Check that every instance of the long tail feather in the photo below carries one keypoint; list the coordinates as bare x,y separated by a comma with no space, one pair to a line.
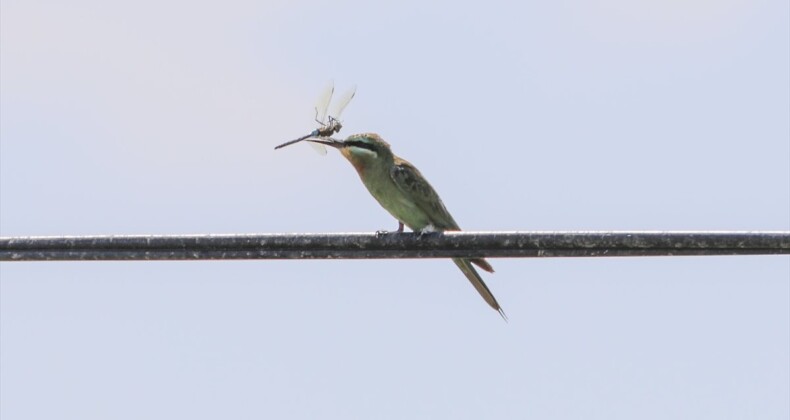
479,284
483,264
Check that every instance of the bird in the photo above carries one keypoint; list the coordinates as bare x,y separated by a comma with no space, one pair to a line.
403,191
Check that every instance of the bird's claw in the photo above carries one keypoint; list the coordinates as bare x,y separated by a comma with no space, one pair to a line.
423,233
380,233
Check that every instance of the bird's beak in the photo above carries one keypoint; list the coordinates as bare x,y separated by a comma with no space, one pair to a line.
328,141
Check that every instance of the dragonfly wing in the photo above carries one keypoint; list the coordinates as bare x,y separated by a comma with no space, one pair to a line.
318,148
322,104
342,102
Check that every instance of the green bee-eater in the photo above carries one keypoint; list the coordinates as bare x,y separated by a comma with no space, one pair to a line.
402,190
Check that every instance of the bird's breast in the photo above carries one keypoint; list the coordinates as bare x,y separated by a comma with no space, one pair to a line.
397,202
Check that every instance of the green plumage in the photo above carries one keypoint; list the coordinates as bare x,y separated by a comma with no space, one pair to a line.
402,190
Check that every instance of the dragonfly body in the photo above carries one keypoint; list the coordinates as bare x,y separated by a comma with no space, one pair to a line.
332,127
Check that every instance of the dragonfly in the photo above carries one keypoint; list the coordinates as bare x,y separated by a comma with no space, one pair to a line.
328,125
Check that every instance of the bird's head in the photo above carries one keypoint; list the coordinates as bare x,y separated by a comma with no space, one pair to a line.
362,150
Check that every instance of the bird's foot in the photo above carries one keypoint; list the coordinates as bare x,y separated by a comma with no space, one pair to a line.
380,233
421,234
427,230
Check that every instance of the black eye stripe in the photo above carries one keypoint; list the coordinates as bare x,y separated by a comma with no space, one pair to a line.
361,145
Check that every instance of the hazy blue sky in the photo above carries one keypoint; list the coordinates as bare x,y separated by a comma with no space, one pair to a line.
154,117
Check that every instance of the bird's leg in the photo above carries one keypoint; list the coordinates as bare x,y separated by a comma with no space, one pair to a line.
384,232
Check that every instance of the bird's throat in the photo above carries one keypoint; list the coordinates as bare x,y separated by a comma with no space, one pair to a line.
359,164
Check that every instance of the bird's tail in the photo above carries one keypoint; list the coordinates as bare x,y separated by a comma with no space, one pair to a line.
479,284
482,264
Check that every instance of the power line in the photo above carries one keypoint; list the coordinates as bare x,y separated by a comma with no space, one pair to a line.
393,245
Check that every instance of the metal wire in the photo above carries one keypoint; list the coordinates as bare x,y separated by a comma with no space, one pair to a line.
393,245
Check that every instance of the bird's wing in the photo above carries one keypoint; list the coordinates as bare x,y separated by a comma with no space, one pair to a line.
407,178
413,184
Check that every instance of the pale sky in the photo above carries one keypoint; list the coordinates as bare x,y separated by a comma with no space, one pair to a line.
160,117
